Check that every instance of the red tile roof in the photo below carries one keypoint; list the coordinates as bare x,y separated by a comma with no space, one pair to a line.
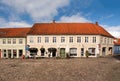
13,32
68,29
117,42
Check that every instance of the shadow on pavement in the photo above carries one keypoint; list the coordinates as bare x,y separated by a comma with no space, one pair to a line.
116,57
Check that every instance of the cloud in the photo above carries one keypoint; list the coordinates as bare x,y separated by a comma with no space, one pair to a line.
114,30
74,18
39,10
11,24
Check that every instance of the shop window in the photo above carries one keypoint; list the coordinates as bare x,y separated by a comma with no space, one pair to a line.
20,53
73,51
14,53
82,51
4,53
91,51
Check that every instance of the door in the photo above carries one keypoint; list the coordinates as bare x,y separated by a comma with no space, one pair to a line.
62,52
9,53
103,51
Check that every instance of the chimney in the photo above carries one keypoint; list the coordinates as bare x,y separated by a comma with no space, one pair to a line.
96,23
53,21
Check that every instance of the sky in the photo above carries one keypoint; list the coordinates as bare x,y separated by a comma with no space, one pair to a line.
24,13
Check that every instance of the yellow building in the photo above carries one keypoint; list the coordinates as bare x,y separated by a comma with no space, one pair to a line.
13,42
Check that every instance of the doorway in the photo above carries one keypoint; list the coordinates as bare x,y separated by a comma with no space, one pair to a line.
9,54
52,51
103,51
62,52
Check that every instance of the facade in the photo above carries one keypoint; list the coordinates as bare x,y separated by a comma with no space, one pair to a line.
13,42
73,39
117,46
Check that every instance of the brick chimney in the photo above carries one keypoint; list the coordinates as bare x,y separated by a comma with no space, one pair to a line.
53,21
96,23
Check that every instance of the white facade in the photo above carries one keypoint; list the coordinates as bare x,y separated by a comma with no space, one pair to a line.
12,47
74,45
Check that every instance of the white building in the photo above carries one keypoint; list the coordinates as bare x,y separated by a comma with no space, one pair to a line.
13,42
74,39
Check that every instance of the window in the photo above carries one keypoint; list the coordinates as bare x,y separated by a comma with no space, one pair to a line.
46,39
71,39
73,51
39,39
31,40
4,53
14,41
78,39
86,39
9,41
14,53
94,39
82,51
62,39
54,39
4,41
91,51
20,53
20,41
105,41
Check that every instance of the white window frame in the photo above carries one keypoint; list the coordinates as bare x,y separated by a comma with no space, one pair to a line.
73,51
62,39
31,40
39,39
9,41
46,39
78,39
70,39
4,41
86,39
94,39
14,41
54,39
20,41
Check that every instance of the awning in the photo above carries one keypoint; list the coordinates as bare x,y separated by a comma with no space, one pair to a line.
42,50
52,49
33,49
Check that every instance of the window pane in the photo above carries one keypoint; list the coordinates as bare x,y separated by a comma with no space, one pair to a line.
62,39
54,39
92,51
46,39
9,41
14,53
78,39
39,39
71,39
31,39
20,41
20,53
73,51
14,41
4,41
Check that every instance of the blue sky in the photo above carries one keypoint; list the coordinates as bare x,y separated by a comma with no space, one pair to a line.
24,13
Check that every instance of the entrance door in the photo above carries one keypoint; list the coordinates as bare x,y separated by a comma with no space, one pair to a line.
0,53
9,53
103,51
62,52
